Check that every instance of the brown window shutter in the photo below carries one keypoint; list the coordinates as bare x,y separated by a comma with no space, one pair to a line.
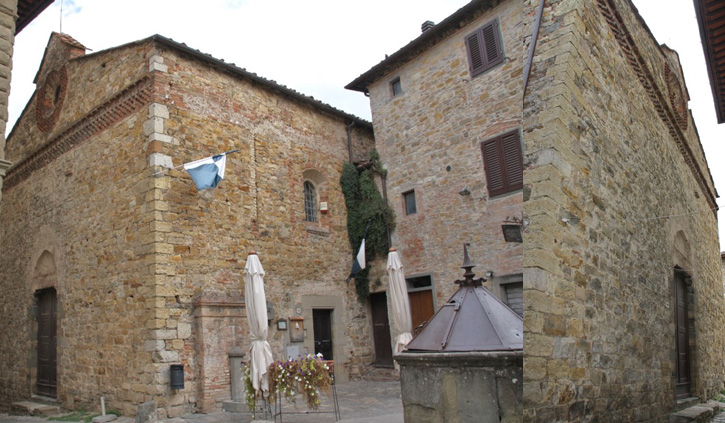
503,163
513,160
494,166
475,58
492,43
484,48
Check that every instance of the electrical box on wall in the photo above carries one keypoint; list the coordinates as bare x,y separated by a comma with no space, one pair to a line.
323,207
296,329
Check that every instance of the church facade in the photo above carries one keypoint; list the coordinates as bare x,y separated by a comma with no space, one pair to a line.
119,268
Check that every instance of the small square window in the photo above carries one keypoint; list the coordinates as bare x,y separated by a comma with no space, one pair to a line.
512,233
396,87
409,199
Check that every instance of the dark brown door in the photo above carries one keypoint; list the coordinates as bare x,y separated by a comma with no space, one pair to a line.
47,341
421,306
682,385
381,330
322,327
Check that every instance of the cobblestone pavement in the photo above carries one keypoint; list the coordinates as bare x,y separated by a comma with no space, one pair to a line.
359,402
720,418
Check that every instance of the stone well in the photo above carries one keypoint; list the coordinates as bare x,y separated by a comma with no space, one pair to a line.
466,364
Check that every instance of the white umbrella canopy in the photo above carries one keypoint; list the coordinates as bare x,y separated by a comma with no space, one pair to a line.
256,302
402,322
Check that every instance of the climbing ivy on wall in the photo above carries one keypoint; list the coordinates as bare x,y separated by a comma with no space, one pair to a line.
364,203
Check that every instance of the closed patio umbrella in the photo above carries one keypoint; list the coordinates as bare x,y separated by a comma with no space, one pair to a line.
402,322
256,302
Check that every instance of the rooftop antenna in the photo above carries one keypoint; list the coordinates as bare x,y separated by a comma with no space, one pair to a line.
61,17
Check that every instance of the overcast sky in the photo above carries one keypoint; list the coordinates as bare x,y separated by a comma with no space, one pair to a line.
318,46
313,46
676,26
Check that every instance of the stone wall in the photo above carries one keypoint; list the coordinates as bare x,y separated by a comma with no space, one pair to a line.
462,387
148,270
203,238
76,221
617,194
429,138
8,11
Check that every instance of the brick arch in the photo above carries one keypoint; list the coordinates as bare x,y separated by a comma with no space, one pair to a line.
315,176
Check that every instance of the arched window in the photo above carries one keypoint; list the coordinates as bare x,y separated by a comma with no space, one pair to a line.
310,202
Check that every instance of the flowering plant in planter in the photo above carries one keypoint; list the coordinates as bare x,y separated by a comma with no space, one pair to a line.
305,375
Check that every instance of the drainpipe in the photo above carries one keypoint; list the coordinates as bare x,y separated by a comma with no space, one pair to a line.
532,47
349,139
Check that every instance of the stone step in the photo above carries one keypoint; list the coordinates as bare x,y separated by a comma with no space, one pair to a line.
683,403
32,408
700,413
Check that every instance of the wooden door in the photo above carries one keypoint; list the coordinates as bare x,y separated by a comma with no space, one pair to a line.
421,307
47,340
682,335
381,330
322,328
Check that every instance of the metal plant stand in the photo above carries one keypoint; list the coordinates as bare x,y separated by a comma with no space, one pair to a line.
278,411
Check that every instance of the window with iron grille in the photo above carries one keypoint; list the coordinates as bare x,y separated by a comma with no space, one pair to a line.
503,163
310,202
484,47
409,202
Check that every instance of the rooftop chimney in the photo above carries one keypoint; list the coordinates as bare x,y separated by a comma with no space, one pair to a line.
427,25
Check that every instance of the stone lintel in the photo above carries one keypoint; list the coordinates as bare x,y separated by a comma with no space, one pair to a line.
219,305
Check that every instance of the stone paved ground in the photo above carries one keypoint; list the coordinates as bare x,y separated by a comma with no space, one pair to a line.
360,402
720,418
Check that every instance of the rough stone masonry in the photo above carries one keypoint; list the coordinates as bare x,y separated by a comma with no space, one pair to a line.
621,210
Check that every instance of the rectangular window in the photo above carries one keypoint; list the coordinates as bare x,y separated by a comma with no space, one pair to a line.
409,200
515,297
503,163
419,282
484,47
396,87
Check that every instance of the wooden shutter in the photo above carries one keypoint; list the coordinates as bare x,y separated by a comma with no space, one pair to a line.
513,160
484,47
492,44
475,57
503,163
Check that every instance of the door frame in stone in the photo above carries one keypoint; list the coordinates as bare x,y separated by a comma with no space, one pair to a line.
431,290
683,389
310,302
52,383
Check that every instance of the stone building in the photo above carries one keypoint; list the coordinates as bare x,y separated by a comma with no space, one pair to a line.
14,16
623,289
447,116
119,268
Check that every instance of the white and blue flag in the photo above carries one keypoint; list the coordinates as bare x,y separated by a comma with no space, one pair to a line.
208,172
359,263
